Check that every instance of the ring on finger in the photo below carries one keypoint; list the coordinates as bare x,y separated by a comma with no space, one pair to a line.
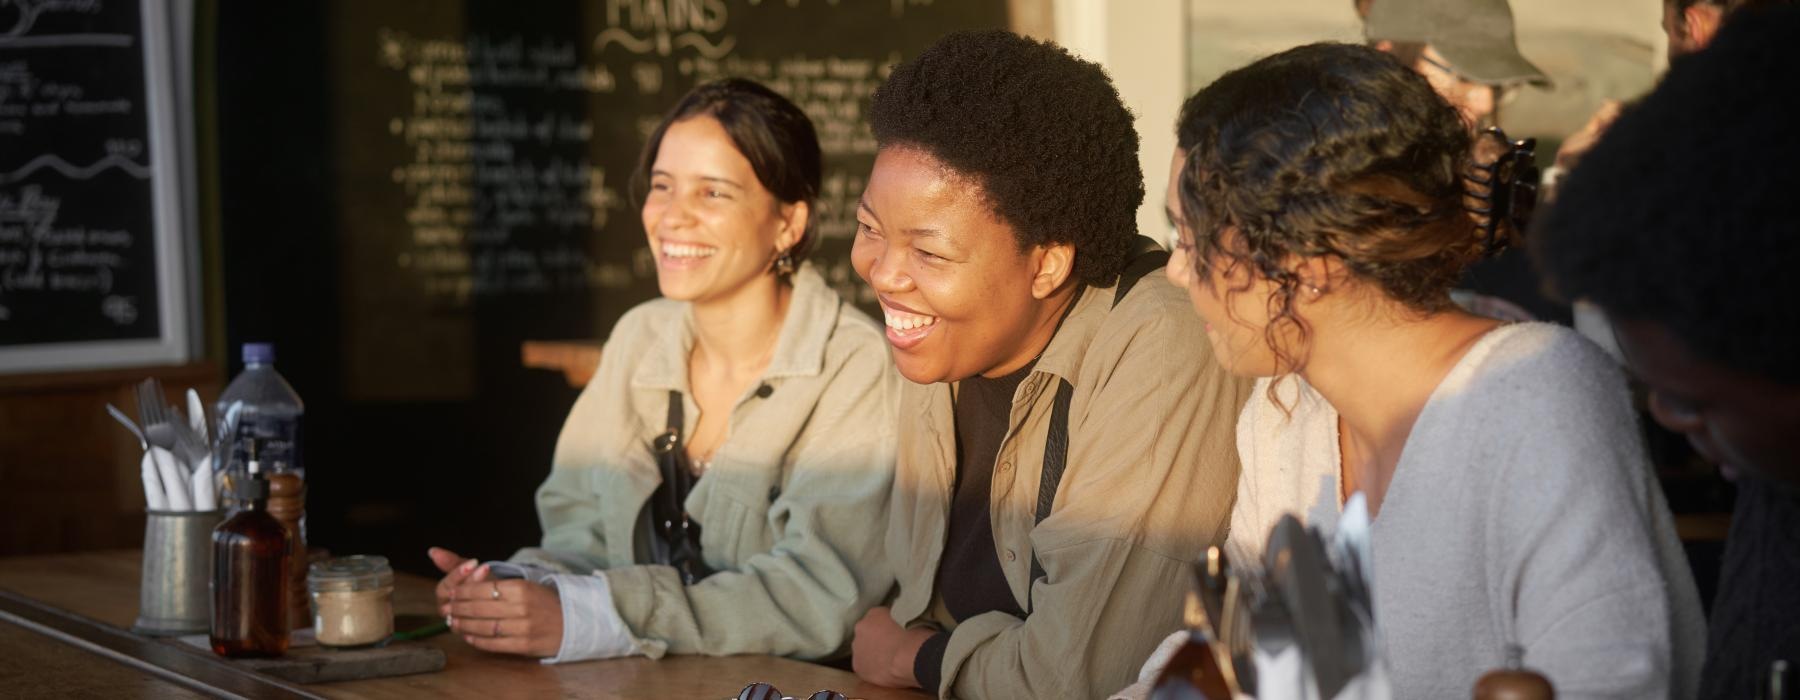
496,590
496,628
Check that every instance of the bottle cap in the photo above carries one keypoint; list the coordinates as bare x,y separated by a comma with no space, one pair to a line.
253,487
353,573
259,353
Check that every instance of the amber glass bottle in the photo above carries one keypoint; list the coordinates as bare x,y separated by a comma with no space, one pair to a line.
250,576
1193,673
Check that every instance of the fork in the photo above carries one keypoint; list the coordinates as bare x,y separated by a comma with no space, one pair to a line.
188,444
164,424
152,415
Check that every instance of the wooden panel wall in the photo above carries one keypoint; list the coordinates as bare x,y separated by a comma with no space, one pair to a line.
68,472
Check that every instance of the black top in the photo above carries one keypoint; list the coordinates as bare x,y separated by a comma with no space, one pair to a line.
969,578
1756,615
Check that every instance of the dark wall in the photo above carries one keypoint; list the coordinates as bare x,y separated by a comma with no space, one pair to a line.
411,189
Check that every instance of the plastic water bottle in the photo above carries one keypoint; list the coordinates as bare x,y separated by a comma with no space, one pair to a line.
270,415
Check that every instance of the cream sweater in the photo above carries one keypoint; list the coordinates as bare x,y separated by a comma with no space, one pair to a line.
1523,511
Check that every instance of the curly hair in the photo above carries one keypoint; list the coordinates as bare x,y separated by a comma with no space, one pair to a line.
769,130
1684,214
1329,150
1042,132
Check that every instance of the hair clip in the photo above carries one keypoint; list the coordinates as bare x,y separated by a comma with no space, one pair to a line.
1507,187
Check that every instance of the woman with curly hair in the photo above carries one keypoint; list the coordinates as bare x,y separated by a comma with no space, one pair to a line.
1322,217
1057,474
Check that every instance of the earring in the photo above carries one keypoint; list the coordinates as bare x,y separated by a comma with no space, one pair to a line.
784,263
1315,290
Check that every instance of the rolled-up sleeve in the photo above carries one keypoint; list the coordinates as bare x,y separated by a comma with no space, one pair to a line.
591,627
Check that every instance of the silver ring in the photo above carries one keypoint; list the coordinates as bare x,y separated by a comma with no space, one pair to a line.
496,590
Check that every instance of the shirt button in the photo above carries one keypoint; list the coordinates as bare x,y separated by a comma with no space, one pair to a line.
1005,467
1010,556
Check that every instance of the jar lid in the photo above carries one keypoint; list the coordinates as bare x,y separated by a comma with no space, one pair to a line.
354,573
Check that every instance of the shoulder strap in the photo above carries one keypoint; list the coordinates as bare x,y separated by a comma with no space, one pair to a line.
1146,257
675,413
1056,457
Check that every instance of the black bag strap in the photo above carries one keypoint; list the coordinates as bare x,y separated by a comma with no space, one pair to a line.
1146,257
675,537
676,419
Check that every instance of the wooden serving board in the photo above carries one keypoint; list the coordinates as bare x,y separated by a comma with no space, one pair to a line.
307,662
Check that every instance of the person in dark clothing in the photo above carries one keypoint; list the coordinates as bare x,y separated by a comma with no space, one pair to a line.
1680,224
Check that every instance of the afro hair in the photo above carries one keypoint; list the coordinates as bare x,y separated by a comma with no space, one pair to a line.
1043,133
1685,213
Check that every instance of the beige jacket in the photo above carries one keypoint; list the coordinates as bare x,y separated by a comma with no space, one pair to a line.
791,509
1151,472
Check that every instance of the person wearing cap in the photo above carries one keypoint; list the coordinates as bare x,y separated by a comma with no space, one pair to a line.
1465,48
1467,51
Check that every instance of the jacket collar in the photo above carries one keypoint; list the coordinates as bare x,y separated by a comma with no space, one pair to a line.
1062,357
812,315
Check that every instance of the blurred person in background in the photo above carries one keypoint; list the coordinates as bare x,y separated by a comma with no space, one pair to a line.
1466,49
1689,25
1469,53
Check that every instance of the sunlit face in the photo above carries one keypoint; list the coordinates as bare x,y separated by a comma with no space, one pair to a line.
1233,301
1741,422
955,290
1474,101
712,226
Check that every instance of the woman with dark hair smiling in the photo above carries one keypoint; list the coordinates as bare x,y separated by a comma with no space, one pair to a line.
1322,215
717,488
1066,442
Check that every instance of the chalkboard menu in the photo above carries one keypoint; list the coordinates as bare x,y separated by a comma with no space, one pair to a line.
409,189
486,150
91,256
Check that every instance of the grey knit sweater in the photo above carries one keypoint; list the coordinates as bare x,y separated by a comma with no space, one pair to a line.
1523,511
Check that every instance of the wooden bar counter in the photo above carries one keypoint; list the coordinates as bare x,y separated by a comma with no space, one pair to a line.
98,592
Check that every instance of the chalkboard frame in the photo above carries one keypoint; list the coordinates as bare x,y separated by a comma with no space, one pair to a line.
175,246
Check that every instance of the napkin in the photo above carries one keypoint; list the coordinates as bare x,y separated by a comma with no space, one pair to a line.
171,484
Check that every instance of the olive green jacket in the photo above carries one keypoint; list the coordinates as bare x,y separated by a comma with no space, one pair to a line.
1151,473
791,508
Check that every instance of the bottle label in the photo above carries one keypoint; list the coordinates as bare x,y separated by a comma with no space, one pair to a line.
278,444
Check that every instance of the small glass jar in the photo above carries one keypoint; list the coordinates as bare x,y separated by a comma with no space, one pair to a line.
352,600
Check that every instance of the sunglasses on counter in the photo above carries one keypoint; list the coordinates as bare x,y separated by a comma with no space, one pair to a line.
764,691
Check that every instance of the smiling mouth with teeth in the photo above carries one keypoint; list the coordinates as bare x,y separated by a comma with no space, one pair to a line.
905,322
682,251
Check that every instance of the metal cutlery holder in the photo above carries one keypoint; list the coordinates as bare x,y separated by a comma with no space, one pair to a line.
175,595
